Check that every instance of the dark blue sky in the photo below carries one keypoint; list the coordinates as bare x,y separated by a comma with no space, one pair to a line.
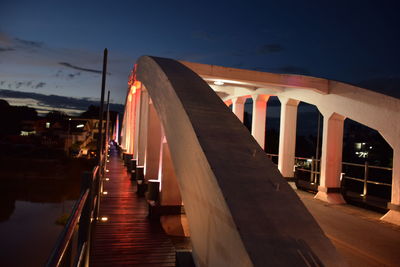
45,44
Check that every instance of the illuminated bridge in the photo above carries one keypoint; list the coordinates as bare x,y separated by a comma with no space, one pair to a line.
210,177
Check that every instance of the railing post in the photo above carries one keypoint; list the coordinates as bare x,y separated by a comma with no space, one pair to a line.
99,174
85,219
317,171
365,190
312,171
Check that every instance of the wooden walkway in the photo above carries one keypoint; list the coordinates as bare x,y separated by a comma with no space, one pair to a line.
128,237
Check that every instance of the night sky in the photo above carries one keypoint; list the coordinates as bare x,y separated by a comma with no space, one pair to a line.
55,47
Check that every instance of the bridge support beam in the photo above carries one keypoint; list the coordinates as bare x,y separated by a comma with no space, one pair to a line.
287,136
137,124
127,128
331,159
123,130
393,215
142,138
131,123
172,221
152,155
238,107
170,193
259,117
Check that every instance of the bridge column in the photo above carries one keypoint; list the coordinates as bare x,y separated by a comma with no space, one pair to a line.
331,159
287,136
137,124
126,125
123,130
393,215
170,194
142,135
259,117
131,123
238,107
152,155
172,221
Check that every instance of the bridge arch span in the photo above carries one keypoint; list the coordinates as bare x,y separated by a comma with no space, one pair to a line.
335,100
240,210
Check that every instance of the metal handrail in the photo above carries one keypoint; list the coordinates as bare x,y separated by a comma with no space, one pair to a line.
85,209
362,180
370,166
314,171
66,236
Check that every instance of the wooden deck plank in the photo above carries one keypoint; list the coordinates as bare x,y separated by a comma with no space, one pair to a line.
128,237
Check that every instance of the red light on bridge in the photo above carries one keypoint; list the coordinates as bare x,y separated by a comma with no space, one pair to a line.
135,86
133,89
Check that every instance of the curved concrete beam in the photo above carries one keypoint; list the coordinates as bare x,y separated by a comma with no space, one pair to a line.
257,78
241,211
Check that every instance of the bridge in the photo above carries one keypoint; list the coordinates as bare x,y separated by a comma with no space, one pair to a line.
210,176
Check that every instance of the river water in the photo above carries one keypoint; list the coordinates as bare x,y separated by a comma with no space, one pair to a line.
29,210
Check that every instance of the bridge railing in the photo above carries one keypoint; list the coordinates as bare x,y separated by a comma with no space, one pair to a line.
309,169
73,244
365,170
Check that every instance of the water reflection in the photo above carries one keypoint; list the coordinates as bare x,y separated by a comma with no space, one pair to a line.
28,211
37,191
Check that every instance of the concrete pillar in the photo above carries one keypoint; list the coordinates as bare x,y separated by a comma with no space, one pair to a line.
393,215
170,194
174,224
152,156
132,123
259,117
331,159
287,136
238,107
137,123
142,138
123,130
127,124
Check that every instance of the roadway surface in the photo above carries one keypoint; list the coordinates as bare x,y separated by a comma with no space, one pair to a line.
357,234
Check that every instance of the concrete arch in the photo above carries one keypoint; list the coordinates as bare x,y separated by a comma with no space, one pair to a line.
375,110
240,210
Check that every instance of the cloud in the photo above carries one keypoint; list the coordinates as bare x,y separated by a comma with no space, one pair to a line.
22,84
5,39
40,85
29,43
51,102
270,48
68,65
39,61
5,49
